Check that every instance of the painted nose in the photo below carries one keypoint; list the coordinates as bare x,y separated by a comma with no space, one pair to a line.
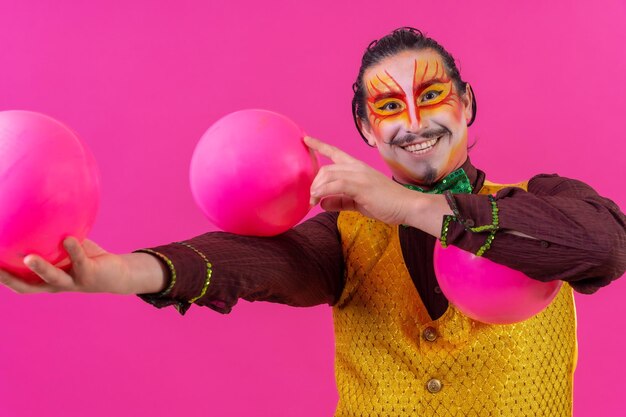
415,122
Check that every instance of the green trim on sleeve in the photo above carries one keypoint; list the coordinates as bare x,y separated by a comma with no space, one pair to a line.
493,227
209,272
169,264
445,227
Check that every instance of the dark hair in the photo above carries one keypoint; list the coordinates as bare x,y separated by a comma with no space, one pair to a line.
402,39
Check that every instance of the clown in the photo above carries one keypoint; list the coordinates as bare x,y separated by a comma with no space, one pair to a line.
401,348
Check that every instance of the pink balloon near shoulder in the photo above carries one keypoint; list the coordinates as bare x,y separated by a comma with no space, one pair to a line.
49,189
251,173
487,291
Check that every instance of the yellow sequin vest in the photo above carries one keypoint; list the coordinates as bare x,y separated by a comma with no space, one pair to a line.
393,360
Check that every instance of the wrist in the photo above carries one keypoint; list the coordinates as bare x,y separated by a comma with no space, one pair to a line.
426,212
414,207
145,274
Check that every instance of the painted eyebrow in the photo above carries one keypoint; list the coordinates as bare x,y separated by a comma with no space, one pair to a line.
398,92
428,83
389,94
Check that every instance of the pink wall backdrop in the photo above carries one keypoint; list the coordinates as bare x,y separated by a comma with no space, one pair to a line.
140,81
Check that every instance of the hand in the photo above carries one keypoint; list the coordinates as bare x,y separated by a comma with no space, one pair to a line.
89,269
350,184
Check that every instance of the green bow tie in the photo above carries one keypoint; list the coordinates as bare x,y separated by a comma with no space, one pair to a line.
456,181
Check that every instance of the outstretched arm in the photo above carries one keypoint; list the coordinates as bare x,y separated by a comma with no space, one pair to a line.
301,267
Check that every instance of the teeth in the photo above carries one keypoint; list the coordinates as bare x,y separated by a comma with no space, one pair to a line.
424,146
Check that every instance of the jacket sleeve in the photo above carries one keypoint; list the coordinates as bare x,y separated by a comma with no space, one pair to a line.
571,233
302,267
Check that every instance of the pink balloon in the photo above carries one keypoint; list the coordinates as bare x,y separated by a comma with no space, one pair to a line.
251,173
487,291
49,189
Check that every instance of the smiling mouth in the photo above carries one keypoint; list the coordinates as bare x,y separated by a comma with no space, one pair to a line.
422,147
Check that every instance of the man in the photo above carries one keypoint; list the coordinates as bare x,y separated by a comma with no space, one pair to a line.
401,348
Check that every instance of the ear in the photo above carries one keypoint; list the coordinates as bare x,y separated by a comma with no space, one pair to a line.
366,130
468,102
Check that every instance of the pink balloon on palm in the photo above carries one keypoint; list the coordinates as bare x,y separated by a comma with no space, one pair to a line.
487,291
49,189
251,173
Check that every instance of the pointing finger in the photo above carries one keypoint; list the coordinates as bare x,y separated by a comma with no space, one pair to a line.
335,154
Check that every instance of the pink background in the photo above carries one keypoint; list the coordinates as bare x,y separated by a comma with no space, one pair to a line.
140,81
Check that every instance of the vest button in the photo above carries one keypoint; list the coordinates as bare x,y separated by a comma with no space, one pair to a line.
434,386
430,334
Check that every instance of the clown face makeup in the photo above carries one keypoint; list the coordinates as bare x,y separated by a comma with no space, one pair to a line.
416,117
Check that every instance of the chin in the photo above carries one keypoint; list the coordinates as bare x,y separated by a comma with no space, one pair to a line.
425,177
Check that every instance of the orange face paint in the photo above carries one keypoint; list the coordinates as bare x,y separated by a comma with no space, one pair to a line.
411,100
431,91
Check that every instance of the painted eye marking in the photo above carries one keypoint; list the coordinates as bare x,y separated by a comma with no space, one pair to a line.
388,107
431,95
434,94
391,106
